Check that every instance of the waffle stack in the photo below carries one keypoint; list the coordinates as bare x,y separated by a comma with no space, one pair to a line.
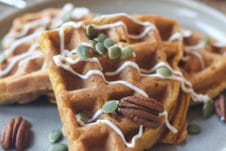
83,85
121,82
23,75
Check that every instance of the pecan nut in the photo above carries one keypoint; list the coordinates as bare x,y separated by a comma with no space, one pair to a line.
16,133
144,111
220,107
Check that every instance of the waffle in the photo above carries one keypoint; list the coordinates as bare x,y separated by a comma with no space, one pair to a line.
204,63
23,75
78,90
200,62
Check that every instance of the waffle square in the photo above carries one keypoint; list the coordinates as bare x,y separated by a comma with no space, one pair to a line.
84,85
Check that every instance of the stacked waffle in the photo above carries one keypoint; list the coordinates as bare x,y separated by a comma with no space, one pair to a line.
23,75
120,82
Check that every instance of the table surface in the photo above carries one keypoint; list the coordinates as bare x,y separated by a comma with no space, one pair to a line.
218,4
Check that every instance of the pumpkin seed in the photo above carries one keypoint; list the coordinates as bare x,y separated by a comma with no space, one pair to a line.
208,109
2,57
114,52
108,43
54,136
193,129
127,52
163,71
206,41
82,117
92,43
90,31
100,48
58,147
110,106
83,51
100,37
67,17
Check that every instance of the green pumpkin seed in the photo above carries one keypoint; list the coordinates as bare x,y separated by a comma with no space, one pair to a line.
108,43
54,136
2,57
83,51
58,147
100,37
67,17
110,106
208,109
90,31
206,41
82,117
47,27
100,48
114,52
127,52
92,43
164,72
193,129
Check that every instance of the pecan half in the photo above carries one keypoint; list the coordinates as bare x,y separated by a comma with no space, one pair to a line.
220,107
144,111
15,133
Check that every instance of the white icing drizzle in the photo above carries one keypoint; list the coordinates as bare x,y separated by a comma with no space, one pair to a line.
175,36
123,15
180,35
119,132
44,66
219,44
117,24
122,67
76,13
192,50
186,33
21,41
59,63
177,75
18,58
170,127
200,45
189,49
79,12
35,55
114,127
95,116
75,61
185,84
61,31
57,21
40,22
198,55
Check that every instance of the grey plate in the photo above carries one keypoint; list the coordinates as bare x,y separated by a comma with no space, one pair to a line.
192,15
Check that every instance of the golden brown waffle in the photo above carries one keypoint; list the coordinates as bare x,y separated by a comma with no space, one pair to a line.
23,75
76,95
204,64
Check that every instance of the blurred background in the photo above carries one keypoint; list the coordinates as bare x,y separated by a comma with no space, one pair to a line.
16,4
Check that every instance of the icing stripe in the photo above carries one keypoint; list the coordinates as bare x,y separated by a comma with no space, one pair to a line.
21,41
170,127
119,132
98,72
13,61
123,15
